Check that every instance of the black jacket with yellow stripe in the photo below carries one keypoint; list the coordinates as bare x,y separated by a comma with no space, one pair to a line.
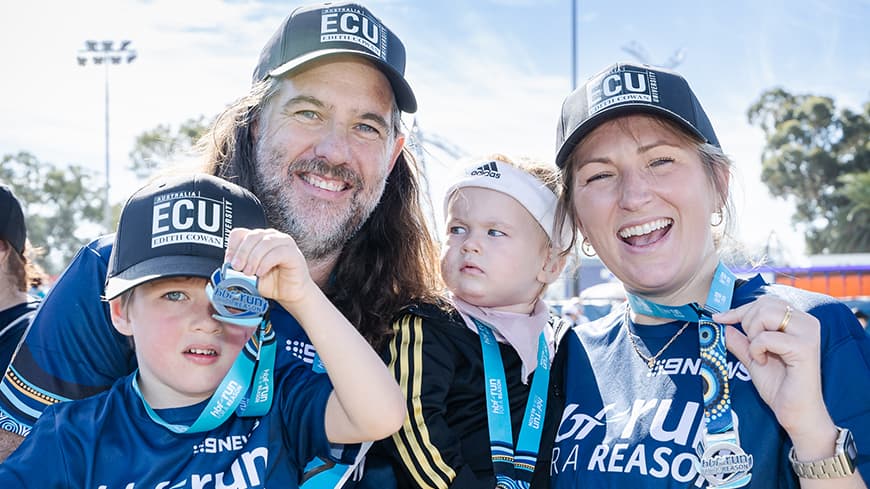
444,442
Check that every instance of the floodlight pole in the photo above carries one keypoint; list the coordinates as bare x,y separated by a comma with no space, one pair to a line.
107,208
106,53
573,45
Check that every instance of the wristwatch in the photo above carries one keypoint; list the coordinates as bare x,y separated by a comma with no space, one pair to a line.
842,464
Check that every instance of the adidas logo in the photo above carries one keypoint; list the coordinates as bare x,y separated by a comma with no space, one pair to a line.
488,170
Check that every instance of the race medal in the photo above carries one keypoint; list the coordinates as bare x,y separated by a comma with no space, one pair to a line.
236,300
722,462
235,297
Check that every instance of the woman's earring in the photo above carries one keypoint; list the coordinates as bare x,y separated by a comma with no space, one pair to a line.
587,248
717,218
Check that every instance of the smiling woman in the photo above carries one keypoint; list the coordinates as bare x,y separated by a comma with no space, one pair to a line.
639,177
723,378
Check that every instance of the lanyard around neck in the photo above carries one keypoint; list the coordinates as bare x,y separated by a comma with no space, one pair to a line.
513,470
235,393
711,339
721,460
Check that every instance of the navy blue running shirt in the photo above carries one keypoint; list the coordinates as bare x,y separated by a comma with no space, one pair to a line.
624,425
110,441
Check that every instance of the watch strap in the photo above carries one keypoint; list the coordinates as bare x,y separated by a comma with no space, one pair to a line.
842,464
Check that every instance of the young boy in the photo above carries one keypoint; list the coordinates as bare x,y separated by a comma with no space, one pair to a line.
467,372
204,409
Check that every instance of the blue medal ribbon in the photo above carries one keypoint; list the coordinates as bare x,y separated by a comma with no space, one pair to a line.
513,470
721,460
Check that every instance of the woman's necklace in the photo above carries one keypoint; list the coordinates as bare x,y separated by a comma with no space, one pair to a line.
650,361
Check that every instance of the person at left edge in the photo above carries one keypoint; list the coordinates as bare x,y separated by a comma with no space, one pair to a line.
18,271
171,419
318,140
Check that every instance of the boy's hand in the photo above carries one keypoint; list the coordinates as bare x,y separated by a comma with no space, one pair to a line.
275,259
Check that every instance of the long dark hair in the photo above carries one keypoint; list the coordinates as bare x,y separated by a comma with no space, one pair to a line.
23,268
390,263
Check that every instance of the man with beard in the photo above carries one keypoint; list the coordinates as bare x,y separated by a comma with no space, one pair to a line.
318,140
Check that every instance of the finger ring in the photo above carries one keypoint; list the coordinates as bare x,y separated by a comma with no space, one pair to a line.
785,320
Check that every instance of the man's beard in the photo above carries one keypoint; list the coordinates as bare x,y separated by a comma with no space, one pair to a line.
320,228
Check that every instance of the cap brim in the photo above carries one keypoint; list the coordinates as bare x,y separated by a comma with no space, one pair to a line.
405,99
593,122
160,267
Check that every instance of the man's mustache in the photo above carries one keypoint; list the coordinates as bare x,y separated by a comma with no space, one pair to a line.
322,167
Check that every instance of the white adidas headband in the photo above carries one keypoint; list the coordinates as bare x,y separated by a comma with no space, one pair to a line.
530,192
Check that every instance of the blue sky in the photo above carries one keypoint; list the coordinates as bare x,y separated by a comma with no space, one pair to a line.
489,75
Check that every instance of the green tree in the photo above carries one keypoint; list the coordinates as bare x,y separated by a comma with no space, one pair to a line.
62,206
818,157
856,187
157,147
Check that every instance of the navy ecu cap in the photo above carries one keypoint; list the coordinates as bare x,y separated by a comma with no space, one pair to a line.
627,88
315,31
178,226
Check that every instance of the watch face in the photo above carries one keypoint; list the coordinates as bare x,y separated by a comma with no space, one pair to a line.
849,446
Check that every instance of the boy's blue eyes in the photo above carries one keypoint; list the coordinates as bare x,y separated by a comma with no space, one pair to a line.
175,295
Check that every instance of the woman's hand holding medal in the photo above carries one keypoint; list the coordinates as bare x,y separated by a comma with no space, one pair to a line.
780,347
